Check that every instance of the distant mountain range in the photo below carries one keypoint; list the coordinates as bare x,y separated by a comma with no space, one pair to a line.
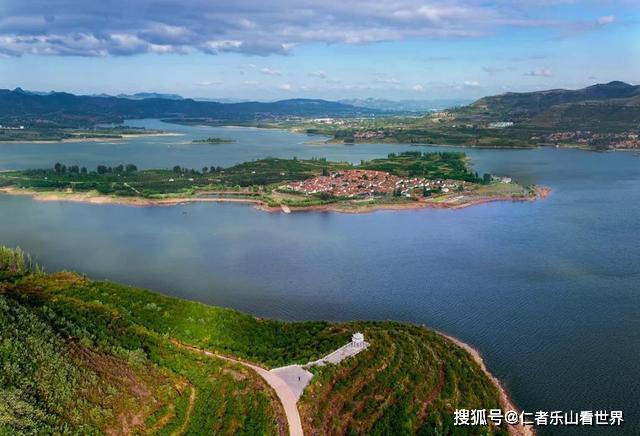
611,105
146,95
64,109
417,106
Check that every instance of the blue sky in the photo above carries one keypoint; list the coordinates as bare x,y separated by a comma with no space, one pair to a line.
332,49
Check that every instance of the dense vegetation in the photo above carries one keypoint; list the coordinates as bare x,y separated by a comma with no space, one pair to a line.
87,357
409,388
81,367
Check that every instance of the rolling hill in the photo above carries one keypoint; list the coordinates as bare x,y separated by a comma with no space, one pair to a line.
61,109
602,107
89,357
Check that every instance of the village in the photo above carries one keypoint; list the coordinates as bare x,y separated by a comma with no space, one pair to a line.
369,183
623,140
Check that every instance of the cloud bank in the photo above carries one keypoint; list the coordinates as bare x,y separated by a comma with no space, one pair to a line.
128,27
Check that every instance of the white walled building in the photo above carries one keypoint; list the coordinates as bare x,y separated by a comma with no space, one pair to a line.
357,340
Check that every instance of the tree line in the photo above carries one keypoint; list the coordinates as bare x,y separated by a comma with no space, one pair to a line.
100,169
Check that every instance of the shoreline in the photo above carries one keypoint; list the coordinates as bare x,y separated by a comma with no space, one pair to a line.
99,199
506,402
123,137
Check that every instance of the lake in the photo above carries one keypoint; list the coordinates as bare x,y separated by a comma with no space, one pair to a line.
548,291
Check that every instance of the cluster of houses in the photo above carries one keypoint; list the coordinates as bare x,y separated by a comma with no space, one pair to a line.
364,183
501,179
612,140
500,124
369,134
632,141
442,116
328,121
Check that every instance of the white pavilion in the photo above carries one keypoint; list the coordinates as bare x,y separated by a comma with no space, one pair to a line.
357,340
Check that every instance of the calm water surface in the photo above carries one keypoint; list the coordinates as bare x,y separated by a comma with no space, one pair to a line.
548,291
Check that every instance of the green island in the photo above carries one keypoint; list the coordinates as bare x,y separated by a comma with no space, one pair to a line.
213,140
89,357
66,134
405,180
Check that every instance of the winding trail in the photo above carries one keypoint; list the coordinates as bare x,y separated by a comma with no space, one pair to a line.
185,423
284,393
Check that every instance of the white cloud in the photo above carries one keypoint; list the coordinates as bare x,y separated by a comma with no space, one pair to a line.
90,28
209,82
471,83
285,87
540,72
217,46
495,70
319,74
271,72
387,81
417,88
606,19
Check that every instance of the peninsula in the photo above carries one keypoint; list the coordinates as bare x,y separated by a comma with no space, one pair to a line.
29,134
405,180
85,356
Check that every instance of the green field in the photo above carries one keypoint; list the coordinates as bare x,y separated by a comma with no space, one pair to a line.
86,357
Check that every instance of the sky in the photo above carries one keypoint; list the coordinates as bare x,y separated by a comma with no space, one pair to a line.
332,49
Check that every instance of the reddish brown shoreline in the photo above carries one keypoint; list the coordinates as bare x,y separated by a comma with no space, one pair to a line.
93,198
506,403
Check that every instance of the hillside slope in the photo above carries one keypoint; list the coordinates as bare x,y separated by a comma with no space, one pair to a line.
86,357
610,106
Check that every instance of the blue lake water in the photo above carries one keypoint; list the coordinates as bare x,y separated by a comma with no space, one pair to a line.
548,291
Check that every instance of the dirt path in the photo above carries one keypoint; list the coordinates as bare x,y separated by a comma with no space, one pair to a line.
433,394
185,423
284,393
505,401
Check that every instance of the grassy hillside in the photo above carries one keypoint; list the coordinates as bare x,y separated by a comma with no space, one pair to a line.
407,382
87,357
522,105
